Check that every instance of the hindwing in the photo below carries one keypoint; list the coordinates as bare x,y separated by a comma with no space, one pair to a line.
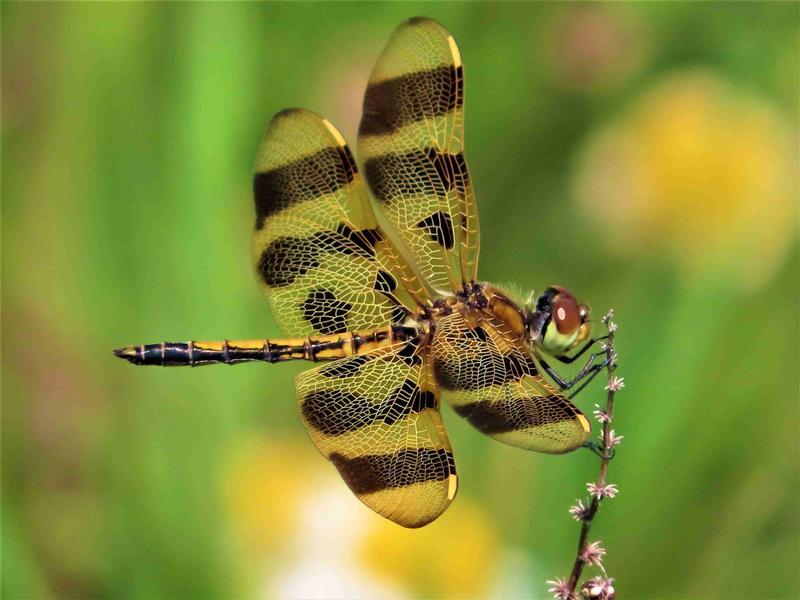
376,418
491,380
411,140
319,255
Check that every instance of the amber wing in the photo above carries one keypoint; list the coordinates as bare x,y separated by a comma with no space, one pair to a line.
411,140
490,379
320,258
376,418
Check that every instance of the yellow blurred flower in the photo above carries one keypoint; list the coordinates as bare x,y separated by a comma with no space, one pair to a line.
306,536
456,556
698,170
265,483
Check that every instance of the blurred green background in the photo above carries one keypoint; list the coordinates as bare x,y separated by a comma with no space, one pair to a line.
645,155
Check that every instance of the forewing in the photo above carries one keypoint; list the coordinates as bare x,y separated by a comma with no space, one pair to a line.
491,380
376,418
411,140
321,259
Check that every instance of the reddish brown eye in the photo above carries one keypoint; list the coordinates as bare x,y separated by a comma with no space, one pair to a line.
583,311
566,314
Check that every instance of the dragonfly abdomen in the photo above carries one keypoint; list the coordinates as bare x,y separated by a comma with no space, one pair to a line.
315,349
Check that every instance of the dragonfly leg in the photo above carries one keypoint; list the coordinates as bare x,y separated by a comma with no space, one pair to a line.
567,360
585,375
598,449
589,375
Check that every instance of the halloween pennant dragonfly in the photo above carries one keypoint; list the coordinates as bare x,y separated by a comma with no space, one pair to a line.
397,322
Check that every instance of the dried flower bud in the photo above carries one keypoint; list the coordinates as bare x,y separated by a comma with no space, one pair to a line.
560,589
599,588
579,510
601,415
608,490
615,384
593,553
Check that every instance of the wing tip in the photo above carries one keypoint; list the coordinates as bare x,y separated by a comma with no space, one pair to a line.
452,486
304,112
584,423
426,22
289,112
419,20
337,135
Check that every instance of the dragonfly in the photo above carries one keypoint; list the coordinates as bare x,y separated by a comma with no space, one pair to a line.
392,309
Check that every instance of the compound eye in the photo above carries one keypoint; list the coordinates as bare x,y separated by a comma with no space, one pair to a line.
583,311
566,313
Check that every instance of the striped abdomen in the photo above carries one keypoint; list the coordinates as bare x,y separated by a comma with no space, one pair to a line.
326,347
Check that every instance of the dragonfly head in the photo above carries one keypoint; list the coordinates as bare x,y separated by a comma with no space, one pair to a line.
558,322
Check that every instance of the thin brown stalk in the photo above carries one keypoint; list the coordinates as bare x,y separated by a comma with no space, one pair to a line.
600,587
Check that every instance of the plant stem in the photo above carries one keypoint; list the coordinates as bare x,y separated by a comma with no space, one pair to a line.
608,449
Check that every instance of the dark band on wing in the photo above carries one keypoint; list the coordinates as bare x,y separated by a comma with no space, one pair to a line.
326,313
427,172
373,473
439,226
386,285
503,416
393,103
492,368
289,257
318,174
336,412
408,353
347,367
384,282
478,333
399,314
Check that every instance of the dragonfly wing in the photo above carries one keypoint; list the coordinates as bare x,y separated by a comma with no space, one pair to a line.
320,258
412,141
376,418
490,379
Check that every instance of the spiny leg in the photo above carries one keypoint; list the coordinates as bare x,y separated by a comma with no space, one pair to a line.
598,449
585,375
590,374
568,360
586,371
